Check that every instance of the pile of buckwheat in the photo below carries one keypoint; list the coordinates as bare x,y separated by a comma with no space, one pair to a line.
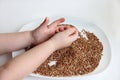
82,57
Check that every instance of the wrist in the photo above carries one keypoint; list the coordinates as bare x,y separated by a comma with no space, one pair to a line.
32,40
52,44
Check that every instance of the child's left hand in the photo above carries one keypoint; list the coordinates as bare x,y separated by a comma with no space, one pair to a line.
45,31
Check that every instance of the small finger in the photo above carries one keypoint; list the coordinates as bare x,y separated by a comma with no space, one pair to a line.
66,27
55,23
61,28
57,30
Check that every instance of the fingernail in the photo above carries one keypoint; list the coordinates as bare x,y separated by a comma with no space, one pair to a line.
62,19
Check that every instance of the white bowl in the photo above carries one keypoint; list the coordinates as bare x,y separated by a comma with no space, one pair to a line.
80,24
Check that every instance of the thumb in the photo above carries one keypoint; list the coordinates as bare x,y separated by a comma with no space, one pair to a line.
45,22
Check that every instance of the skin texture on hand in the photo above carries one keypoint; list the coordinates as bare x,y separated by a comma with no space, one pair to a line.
64,38
45,31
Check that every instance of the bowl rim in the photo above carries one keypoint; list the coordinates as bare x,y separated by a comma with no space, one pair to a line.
67,77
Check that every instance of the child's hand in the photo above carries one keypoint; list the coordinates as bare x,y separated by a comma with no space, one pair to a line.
45,31
64,38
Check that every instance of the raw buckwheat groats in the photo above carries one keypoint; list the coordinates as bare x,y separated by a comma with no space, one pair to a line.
82,57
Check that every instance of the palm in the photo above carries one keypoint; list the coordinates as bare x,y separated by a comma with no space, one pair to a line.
44,32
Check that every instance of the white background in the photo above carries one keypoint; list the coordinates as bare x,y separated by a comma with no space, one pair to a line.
104,13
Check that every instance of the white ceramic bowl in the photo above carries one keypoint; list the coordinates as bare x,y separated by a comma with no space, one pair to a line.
80,24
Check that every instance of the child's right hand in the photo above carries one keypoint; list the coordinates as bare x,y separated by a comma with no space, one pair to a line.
64,38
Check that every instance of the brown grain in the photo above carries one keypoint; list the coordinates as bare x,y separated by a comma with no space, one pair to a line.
82,57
